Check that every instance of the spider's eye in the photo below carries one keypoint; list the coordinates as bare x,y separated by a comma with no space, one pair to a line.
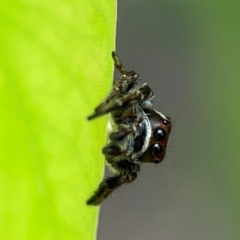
156,150
165,122
159,134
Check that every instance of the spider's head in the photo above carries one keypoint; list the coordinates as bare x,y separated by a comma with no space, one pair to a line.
160,130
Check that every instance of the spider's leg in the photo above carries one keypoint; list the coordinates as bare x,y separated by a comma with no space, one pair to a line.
118,64
125,127
107,186
127,174
118,154
140,94
113,153
121,87
122,142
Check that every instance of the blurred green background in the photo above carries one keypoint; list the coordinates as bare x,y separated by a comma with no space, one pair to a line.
55,67
189,52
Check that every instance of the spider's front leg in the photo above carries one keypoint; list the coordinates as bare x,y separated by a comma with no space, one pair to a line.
137,95
121,87
118,64
126,173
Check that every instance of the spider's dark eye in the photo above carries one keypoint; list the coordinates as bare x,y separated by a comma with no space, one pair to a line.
165,122
159,134
156,150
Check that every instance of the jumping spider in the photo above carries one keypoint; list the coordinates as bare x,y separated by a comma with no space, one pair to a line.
139,133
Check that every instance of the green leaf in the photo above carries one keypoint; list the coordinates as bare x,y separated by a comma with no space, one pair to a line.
55,68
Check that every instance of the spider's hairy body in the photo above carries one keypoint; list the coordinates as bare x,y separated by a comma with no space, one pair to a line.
138,132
